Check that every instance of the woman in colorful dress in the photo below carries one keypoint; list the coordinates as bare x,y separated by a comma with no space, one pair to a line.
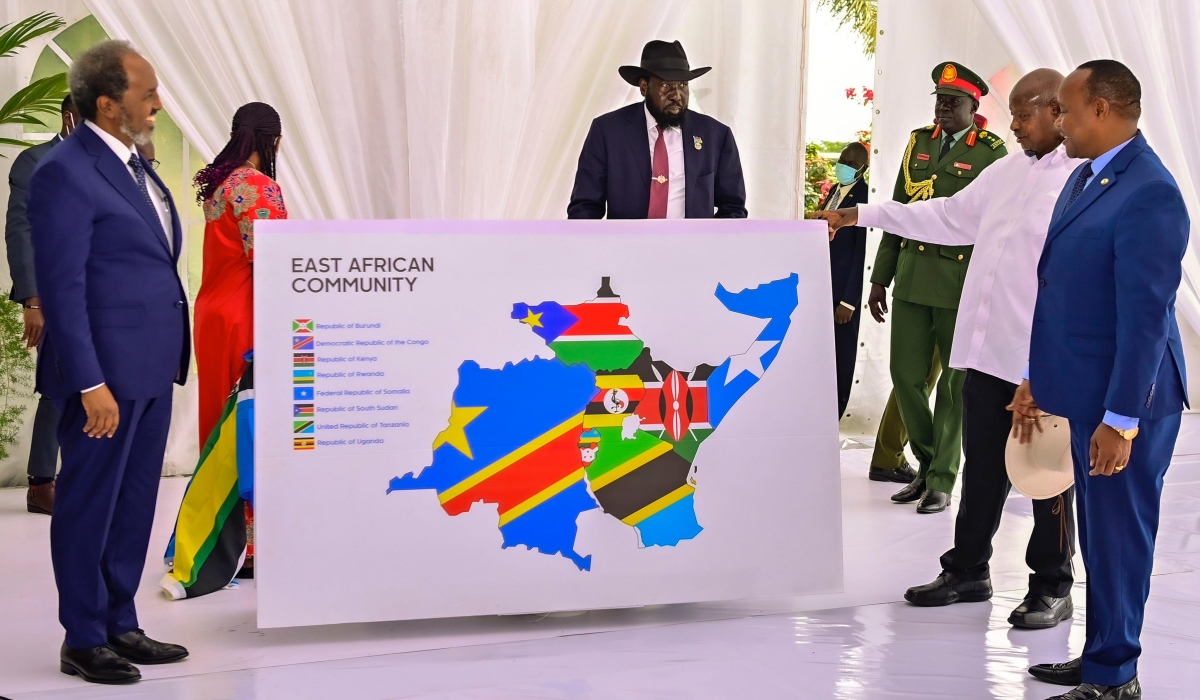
237,189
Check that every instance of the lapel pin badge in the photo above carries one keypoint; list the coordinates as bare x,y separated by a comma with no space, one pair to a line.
698,142
1104,181
660,179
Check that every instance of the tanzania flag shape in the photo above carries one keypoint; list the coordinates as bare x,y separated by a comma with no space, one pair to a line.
302,325
303,376
523,455
302,342
209,542
303,427
304,359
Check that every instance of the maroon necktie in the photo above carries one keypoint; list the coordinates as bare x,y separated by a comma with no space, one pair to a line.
659,180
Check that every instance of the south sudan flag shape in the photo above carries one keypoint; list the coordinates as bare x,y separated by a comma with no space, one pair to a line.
591,333
302,410
209,541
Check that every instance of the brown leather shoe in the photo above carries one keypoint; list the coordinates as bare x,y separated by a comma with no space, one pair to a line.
40,498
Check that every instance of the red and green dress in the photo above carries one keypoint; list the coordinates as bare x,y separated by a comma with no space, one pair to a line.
224,323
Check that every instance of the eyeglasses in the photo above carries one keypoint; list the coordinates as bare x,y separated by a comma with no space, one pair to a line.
154,164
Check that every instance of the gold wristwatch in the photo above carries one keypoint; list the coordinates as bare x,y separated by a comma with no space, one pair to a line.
1127,434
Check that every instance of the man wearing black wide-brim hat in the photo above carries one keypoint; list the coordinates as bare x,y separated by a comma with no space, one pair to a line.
657,159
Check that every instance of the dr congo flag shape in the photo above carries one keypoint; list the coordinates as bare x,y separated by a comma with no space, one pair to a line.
209,542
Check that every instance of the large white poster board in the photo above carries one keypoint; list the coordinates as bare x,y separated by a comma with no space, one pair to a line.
466,418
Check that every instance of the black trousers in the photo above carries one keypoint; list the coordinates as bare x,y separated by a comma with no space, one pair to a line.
985,486
43,453
845,349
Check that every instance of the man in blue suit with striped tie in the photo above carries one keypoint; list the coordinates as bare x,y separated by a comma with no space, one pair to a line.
1105,353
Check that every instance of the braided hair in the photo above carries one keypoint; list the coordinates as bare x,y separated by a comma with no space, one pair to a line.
256,127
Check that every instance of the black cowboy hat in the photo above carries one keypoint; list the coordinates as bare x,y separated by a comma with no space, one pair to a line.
663,60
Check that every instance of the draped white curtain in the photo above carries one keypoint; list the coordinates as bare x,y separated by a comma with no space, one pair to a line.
1160,41
458,108
462,108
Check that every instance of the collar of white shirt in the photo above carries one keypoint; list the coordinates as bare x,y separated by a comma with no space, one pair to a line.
651,125
119,149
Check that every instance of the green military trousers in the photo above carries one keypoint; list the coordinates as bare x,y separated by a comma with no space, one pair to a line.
935,437
891,437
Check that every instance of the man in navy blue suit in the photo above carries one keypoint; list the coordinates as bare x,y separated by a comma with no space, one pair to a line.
657,159
106,240
1105,353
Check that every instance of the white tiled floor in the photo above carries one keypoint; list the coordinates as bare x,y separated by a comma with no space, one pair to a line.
861,643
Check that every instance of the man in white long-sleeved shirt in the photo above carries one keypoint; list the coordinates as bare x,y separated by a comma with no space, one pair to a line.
1005,214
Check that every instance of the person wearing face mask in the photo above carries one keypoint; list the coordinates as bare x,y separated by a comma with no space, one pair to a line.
657,159
940,160
847,254
43,453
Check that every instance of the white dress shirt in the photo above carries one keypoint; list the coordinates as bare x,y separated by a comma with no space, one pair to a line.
1005,213
676,187
156,195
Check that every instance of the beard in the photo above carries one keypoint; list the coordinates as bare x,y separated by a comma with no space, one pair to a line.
139,138
662,118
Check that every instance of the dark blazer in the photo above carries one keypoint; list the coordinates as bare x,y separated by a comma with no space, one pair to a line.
115,308
848,252
613,176
16,226
1104,331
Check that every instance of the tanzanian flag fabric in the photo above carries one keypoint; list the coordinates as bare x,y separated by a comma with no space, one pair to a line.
209,543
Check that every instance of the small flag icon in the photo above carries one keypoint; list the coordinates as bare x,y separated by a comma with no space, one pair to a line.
303,427
304,443
303,410
304,359
302,393
302,342
303,376
302,325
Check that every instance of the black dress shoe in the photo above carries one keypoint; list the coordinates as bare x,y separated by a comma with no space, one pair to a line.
902,474
910,493
1069,673
1089,691
97,665
138,648
947,589
1039,612
933,502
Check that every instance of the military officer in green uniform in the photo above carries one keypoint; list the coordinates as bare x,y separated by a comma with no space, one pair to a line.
940,159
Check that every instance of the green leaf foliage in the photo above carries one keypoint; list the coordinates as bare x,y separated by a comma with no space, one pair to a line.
861,15
14,37
16,373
